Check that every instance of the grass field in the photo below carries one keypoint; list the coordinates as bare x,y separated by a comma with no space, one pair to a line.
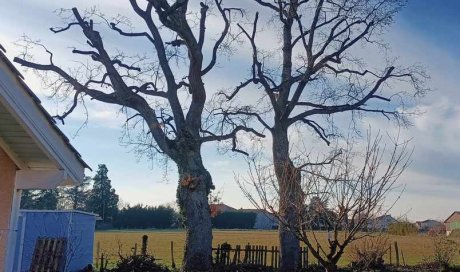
414,248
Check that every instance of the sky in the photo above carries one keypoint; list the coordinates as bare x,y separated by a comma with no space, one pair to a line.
425,32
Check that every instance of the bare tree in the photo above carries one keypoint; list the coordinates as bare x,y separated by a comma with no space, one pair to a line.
343,196
309,69
163,110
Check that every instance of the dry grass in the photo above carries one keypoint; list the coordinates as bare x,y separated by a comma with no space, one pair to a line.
414,248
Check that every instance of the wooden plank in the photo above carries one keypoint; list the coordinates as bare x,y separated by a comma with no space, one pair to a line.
5,121
37,254
52,258
273,257
265,256
48,254
276,257
60,251
9,133
19,140
11,128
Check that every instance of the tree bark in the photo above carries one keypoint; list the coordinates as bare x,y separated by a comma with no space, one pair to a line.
195,184
290,188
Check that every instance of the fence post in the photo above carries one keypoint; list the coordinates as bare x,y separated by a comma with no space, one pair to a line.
390,256
102,261
229,251
317,250
261,255
247,248
265,256
299,263
276,256
144,245
273,256
239,254
402,255
98,249
304,252
218,254
101,269
135,249
173,264
308,257
397,253
258,255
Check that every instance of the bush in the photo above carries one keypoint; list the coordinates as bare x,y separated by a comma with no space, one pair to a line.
368,253
402,228
143,217
234,220
455,233
139,263
444,251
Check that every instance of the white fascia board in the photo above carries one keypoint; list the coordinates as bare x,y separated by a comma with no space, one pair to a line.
24,109
40,179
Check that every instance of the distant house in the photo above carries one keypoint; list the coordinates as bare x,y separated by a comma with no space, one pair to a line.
381,222
452,222
264,219
217,209
428,225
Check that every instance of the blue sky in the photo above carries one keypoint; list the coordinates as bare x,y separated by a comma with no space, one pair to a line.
426,32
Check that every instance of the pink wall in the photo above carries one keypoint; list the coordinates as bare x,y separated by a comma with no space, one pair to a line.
7,175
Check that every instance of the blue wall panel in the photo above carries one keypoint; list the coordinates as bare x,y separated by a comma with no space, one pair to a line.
76,227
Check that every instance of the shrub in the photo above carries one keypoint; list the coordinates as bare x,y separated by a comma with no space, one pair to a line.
139,263
444,251
368,253
402,228
455,233
143,217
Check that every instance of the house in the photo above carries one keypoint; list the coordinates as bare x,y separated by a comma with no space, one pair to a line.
380,223
452,222
428,225
264,220
219,208
34,154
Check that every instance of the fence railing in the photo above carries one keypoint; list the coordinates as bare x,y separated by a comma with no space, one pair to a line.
257,255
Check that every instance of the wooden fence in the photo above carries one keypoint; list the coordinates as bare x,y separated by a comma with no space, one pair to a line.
48,255
257,255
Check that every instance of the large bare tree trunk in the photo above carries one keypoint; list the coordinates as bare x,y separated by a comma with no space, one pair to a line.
194,186
289,183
